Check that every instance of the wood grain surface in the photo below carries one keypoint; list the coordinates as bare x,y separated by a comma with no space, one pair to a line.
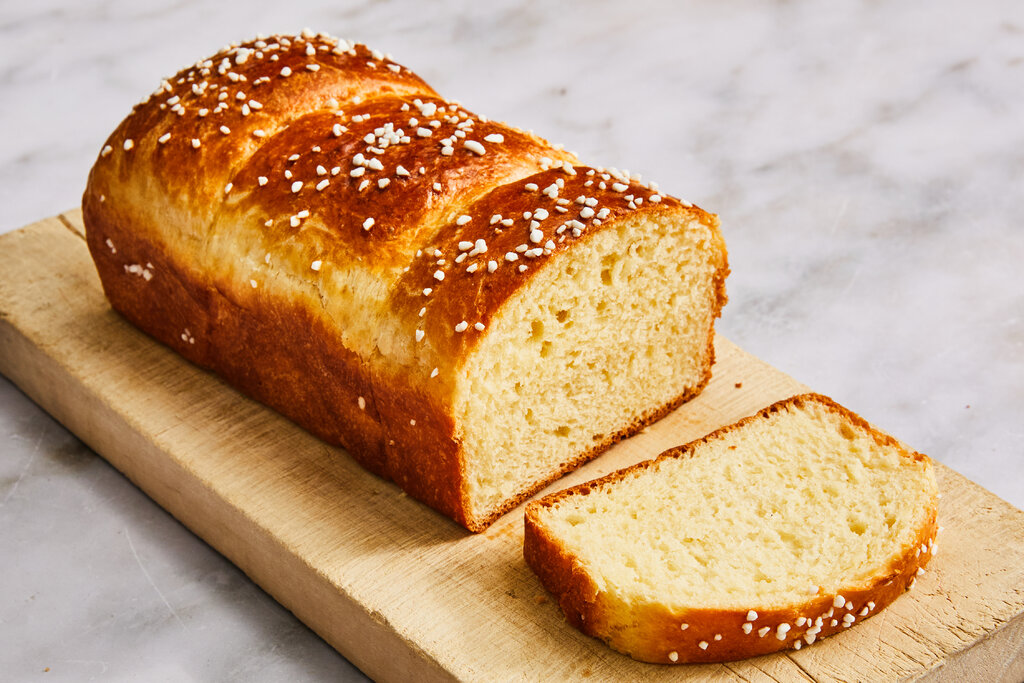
395,587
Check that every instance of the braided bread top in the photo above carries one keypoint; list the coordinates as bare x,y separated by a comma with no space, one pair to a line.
308,167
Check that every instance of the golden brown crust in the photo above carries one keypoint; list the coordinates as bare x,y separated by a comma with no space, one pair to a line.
282,212
419,180
657,632
258,353
476,283
252,90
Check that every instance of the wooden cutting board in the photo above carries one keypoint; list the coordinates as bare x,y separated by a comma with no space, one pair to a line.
402,591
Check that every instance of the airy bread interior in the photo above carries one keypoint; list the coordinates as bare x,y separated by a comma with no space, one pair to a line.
800,503
598,343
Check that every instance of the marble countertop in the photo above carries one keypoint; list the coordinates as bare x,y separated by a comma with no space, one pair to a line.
866,159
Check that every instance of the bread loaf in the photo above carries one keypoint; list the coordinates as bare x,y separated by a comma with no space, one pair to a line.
769,534
466,308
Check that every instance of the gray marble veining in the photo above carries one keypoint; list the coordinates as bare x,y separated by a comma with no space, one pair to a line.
867,160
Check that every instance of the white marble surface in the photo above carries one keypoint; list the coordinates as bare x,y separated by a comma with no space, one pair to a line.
867,160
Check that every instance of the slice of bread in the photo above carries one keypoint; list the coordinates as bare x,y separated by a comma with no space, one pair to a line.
781,529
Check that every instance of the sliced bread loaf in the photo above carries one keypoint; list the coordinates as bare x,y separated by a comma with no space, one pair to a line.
781,529
468,309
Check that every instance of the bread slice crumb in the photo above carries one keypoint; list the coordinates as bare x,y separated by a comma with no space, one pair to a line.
769,534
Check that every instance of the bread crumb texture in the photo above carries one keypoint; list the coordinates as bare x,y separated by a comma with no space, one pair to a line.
579,355
764,535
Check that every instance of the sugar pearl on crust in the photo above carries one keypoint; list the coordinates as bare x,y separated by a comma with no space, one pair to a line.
683,627
315,265
763,631
462,326
839,601
703,644
747,627
673,656
751,615
782,630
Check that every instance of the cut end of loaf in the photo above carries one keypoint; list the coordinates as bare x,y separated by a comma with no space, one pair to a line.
606,339
769,534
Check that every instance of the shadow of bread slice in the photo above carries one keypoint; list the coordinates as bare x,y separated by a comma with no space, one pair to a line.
768,534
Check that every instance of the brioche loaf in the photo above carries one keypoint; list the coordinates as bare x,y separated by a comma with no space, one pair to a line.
781,529
463,306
